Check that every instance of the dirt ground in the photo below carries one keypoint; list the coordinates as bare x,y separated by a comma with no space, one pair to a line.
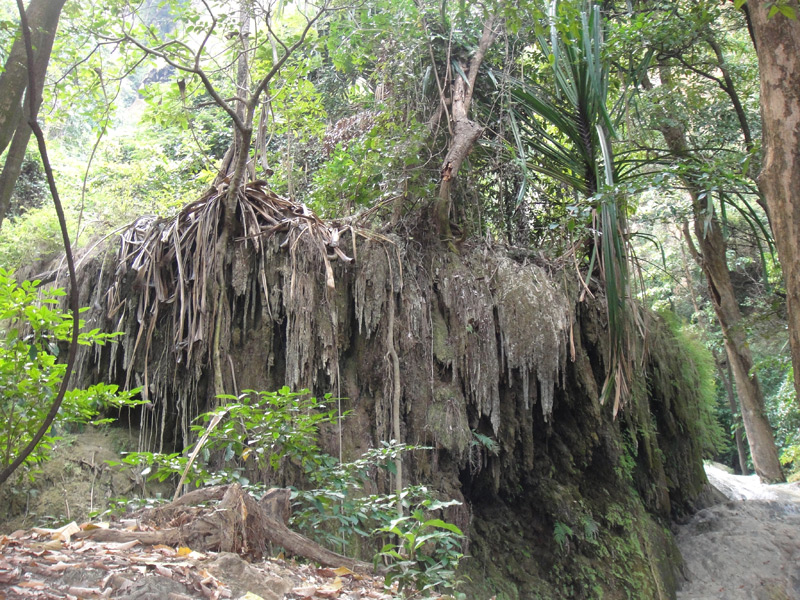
48,565
75,483
747,548
40,557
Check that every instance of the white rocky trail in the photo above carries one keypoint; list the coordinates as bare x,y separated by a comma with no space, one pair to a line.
747,548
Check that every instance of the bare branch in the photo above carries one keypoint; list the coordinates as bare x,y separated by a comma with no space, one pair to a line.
196,71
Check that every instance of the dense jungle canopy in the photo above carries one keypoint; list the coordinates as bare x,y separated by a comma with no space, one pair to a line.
554,243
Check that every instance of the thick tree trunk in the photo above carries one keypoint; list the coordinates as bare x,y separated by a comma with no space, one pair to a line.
778,48
724,372
43,18
710,254
712,259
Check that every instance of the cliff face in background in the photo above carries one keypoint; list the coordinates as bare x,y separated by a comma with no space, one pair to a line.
570,503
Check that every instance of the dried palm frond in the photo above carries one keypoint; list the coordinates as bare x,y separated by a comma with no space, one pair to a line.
170,261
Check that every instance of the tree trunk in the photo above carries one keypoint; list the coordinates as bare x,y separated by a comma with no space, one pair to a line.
465,131
43,18
778,48
710,254
726,376
724,371
712,259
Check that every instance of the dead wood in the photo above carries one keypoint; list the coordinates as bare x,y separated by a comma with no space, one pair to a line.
235,522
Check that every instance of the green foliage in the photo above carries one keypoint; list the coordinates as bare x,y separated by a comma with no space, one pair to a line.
427,551
783,411
31,332
562,534
31,235
698,367
266,429
377,165
336,511
272,431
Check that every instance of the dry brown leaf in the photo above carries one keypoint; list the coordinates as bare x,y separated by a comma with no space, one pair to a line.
305,591
9,576
325,572
117,546
32,584
163,571
82,592
165,550
62,533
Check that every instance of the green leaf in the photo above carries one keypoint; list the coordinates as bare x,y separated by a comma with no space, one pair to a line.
443,525
787,11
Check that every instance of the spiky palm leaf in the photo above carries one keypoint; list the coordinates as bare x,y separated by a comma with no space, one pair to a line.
566,135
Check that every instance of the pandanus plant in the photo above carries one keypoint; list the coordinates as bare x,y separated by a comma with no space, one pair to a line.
566,133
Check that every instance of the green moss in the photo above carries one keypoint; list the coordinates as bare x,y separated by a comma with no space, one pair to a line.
442,347
447,419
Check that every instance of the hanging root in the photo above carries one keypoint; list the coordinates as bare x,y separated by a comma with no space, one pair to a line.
396,388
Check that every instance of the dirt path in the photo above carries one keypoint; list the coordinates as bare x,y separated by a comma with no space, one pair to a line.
747,548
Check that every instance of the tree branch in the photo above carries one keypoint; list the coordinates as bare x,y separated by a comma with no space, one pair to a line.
73,295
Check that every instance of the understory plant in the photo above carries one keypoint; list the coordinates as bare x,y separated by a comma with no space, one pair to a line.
270,434
31,329
425,553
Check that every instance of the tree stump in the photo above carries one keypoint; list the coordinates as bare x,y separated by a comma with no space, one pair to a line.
230,521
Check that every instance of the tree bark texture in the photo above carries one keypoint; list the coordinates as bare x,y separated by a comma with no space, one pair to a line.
465,131
43,18
710,254
778,49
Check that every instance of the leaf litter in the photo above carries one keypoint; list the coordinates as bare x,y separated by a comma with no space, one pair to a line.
46,564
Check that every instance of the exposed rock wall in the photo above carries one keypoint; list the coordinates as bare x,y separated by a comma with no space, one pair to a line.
573,504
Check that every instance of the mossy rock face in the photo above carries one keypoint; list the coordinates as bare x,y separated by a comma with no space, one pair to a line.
565,502
447,420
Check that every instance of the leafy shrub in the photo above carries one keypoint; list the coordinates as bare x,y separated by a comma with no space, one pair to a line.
30,376
279,430
427,551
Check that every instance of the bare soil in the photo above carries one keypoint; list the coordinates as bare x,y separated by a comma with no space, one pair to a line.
76,483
